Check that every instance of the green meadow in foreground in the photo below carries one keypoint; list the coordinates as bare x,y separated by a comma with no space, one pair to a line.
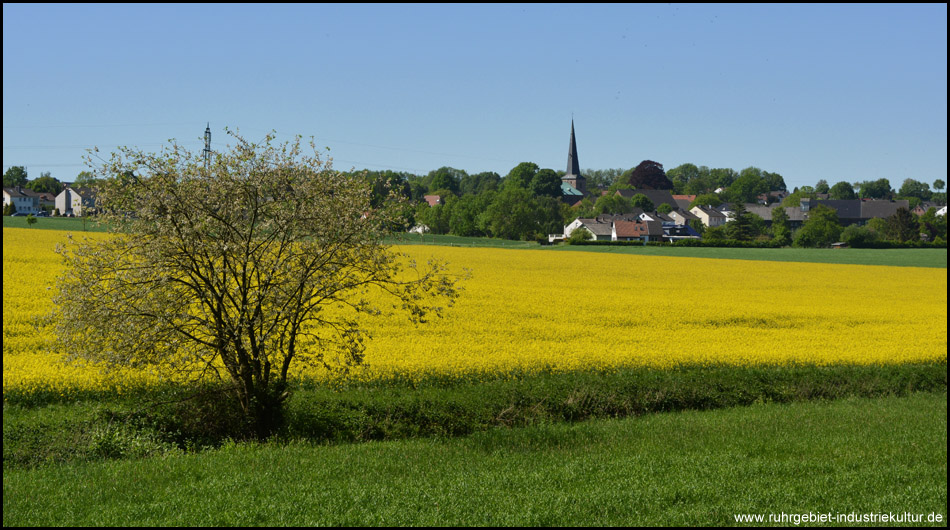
855,455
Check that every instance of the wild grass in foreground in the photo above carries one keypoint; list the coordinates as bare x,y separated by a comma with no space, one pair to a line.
49,429
880,455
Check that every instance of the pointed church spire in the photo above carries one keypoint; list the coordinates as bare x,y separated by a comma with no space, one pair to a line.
573,176
573,167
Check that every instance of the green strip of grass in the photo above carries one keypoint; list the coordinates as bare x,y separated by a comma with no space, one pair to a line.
882,455
71,224
39,431
460,241
936,258
904,257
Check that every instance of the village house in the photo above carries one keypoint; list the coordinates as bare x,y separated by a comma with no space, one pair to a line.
22,202
709,215
76,201
599,230
796,217
857,211
638,230
922,208
682,217
47,201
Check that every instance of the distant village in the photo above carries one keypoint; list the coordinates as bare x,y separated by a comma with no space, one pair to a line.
71,202
639,205
645,208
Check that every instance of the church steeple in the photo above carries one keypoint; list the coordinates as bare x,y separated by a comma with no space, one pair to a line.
573,176
573,167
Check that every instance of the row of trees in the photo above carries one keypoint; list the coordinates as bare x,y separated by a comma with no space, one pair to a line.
525,204
823,228
914,191
17,176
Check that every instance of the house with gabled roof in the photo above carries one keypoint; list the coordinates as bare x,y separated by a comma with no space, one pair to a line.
882,209
709,216
683,201
601,231
682,217
857,211
663,218
638,230
632,215
796,217
922,208
76,201
21,201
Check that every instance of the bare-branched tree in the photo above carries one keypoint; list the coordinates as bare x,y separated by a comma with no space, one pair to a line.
245,269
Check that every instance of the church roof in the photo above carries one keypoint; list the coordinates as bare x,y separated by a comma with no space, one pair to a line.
567,189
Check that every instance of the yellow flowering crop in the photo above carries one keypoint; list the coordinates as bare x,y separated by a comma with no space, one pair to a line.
530,309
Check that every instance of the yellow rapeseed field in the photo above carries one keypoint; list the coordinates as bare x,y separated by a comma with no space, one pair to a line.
529,309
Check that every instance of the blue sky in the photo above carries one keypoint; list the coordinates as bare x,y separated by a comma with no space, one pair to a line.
836,92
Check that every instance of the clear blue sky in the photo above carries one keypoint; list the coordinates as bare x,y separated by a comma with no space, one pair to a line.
836,92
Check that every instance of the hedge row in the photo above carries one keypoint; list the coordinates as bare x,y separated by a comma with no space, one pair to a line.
734,243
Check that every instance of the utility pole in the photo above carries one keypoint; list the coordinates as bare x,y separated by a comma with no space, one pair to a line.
207,151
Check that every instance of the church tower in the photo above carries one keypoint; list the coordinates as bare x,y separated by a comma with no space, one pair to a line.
573,176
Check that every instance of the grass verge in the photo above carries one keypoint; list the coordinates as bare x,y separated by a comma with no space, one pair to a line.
863,456
39,431
902,257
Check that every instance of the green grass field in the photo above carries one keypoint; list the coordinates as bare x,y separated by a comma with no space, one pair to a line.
851,256
854,256
72,224
904,257
878,455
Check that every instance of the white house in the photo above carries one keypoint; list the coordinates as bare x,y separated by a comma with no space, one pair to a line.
600,231
75,201
708,215
681,218
22,203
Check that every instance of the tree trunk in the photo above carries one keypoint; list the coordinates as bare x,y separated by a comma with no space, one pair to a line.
266,411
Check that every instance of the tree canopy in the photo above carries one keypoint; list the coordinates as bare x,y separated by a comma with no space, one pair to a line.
14,176
842,191
820,230
750,184
242,272
875,189
45,184
649,175
520,176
